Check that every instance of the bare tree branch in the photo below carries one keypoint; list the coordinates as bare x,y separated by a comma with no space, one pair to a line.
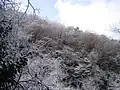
18,80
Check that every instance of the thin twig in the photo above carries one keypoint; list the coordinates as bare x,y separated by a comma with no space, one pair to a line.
18,80
28,5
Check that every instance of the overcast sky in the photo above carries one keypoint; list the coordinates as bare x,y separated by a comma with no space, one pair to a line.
92,15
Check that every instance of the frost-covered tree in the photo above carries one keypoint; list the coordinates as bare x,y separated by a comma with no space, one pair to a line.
12,53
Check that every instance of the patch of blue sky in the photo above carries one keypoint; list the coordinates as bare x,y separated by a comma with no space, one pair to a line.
47,8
